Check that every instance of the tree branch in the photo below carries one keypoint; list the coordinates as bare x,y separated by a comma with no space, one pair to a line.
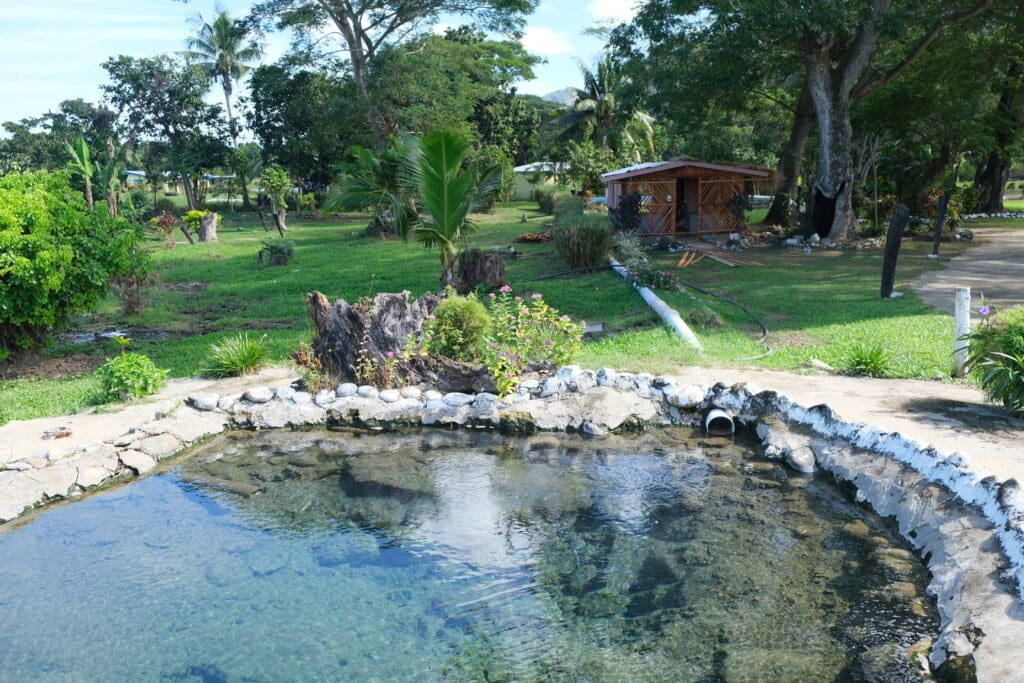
949,20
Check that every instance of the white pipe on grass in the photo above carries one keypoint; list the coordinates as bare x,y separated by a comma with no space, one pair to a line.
667,313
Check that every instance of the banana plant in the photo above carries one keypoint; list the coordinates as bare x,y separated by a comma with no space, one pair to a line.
81,164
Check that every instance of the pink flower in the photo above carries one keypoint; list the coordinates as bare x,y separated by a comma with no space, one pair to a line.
519,298
538,295
431,317
494,346
492,295
505,288
391,354
984,310
549,343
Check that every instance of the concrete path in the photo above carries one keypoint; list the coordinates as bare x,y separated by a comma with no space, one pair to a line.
994,268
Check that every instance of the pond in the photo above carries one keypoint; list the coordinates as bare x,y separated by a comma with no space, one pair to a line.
463,556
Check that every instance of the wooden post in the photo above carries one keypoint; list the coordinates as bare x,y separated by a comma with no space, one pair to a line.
893,240
962,317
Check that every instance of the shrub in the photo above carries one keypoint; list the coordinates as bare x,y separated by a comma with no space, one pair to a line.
872,361
627,215
165,225
133,274
238,355
525,332
628,247
457,328
193,219
970,198
582,241
130,375
545,200
55,257
276,252
164,204
997,356
643,273
307,203
311,369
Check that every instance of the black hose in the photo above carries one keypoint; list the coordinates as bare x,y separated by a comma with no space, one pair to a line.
764,336
591,269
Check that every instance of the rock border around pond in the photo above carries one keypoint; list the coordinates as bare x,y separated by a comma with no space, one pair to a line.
982,615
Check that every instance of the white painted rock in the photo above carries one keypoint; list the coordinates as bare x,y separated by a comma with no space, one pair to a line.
411,392
390,395
366,391
552,386
801,459
530,386
433,395
258,395
324,398
591,429
228,404
456,399
606,377
203,401
302,398
284,393
685,397
347,389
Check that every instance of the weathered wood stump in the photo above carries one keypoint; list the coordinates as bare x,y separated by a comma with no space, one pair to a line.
349,336
893,241
208,227
475,267
279,223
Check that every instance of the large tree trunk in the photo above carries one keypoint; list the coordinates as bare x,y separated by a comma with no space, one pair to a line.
782,211
190,194
893,240
208,228
990,179
832,214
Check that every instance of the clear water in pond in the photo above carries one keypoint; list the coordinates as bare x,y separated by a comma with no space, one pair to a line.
460,556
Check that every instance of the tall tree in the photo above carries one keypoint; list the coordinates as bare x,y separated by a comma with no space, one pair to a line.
225,49
606,111
366,27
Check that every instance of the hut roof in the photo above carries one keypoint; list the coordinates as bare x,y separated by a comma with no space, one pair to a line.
655,167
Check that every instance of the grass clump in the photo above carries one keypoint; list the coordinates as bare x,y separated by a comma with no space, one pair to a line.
582,240
238,355
868,360
130,375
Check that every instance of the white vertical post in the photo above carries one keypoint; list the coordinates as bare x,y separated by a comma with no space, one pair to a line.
962,316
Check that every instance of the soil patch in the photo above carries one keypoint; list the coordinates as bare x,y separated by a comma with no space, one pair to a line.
182,286
35,365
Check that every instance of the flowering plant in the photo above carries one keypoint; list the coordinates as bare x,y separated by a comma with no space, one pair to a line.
524,332
643,273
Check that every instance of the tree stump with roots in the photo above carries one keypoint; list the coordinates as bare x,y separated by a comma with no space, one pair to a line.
475,267
208,227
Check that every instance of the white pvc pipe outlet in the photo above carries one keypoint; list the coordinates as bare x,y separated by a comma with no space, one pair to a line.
666,312
719,423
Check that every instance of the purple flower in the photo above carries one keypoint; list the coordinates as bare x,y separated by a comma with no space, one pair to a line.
549,343
494,346
505,288
391,354
492,295
984,310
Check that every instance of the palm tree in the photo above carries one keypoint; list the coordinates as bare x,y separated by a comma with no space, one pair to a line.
449,192
224,49
602,111
374,182
81,164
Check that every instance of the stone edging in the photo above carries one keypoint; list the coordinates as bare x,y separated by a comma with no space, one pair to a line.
982,616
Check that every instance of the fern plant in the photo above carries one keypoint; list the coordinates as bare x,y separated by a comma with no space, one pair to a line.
238,355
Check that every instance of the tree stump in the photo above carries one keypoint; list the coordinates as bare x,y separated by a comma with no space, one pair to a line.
940,221
893,240
475,267
208,227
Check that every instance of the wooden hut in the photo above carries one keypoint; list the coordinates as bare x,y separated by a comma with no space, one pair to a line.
685,196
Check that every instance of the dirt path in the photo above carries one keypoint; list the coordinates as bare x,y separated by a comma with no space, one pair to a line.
994,268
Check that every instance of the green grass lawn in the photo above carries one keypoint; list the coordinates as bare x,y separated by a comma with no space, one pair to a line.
819,305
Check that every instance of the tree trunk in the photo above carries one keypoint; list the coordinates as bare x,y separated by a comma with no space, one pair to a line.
940,220
88,193
190,195
782,211
990,179
279,223
188,235
263,220
246,202
208,228
832,214
477,267
112,201
893,240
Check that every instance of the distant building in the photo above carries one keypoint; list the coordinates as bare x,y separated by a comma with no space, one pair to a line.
537,175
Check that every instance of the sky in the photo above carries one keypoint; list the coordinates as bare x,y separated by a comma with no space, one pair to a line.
51,50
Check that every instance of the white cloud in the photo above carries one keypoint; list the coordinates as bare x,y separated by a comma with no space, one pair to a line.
619,11
545,41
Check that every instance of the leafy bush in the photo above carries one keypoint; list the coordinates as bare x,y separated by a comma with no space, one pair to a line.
872,361
628,247
238,355
490,156
307,203
997,356
276,184
457,328
55,257
276,252
525,332
582,241
130,375
970,198
134,272
165,225
193,219
627,216
545,200
643,273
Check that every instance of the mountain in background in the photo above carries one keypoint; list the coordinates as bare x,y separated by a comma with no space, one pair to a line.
565,96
